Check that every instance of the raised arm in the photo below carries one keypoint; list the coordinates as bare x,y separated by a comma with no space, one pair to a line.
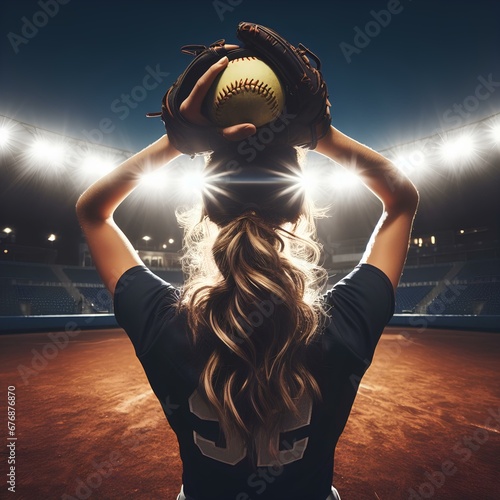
112,252
388,245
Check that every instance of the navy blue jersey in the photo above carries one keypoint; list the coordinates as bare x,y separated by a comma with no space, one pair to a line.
359,307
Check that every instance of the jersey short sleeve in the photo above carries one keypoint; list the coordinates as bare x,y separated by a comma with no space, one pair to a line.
142,303
360,306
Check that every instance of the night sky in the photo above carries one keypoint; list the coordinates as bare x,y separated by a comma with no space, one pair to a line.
403,81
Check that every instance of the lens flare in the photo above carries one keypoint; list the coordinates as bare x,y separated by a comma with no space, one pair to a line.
458,149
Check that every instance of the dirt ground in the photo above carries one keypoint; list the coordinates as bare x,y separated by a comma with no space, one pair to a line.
425,423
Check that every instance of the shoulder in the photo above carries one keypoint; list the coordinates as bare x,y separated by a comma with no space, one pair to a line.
363,281
359,307
143,302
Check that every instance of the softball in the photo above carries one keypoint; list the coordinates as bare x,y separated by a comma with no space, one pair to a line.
247,91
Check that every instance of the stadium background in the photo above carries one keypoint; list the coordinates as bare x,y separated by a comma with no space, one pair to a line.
420,86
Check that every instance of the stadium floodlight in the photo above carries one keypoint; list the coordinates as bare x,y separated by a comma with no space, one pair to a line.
45,151
7,230
52,237
5,136
495,133
458,148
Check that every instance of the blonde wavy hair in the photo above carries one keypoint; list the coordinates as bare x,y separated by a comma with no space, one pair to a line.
253,286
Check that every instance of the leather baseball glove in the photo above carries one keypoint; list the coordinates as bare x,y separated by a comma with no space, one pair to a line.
305,119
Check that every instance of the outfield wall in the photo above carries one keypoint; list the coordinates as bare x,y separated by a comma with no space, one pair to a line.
73,323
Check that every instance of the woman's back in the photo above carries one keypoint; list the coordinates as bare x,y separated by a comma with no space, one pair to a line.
359,307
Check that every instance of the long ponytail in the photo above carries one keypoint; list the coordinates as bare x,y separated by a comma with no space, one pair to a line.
260,304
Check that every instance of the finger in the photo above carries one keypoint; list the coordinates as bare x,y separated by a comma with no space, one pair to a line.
239,132
195,98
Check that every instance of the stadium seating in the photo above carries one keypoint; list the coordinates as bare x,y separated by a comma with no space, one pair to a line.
407,298
98,298
46,299
420,274
37,289
32,272
471,299
477,270
9,300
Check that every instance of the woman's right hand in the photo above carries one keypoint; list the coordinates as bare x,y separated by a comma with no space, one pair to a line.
190,108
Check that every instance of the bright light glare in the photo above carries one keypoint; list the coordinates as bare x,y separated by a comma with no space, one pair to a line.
7,230
146,238
97,166
458,149
4,137
345,180
408,162
47,152
154,180
308,181
52,237
171,240
193,182
495,133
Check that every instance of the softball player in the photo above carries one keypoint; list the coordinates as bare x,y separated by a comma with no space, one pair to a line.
255,368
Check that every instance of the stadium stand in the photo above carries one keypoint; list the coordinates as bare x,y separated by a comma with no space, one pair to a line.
27,271
98,298
407,298
28,289
459,288
9,300
420,274
41,300
480,270
468,299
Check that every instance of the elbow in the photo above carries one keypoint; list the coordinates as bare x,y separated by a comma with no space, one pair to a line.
87,213
411,196
406,198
